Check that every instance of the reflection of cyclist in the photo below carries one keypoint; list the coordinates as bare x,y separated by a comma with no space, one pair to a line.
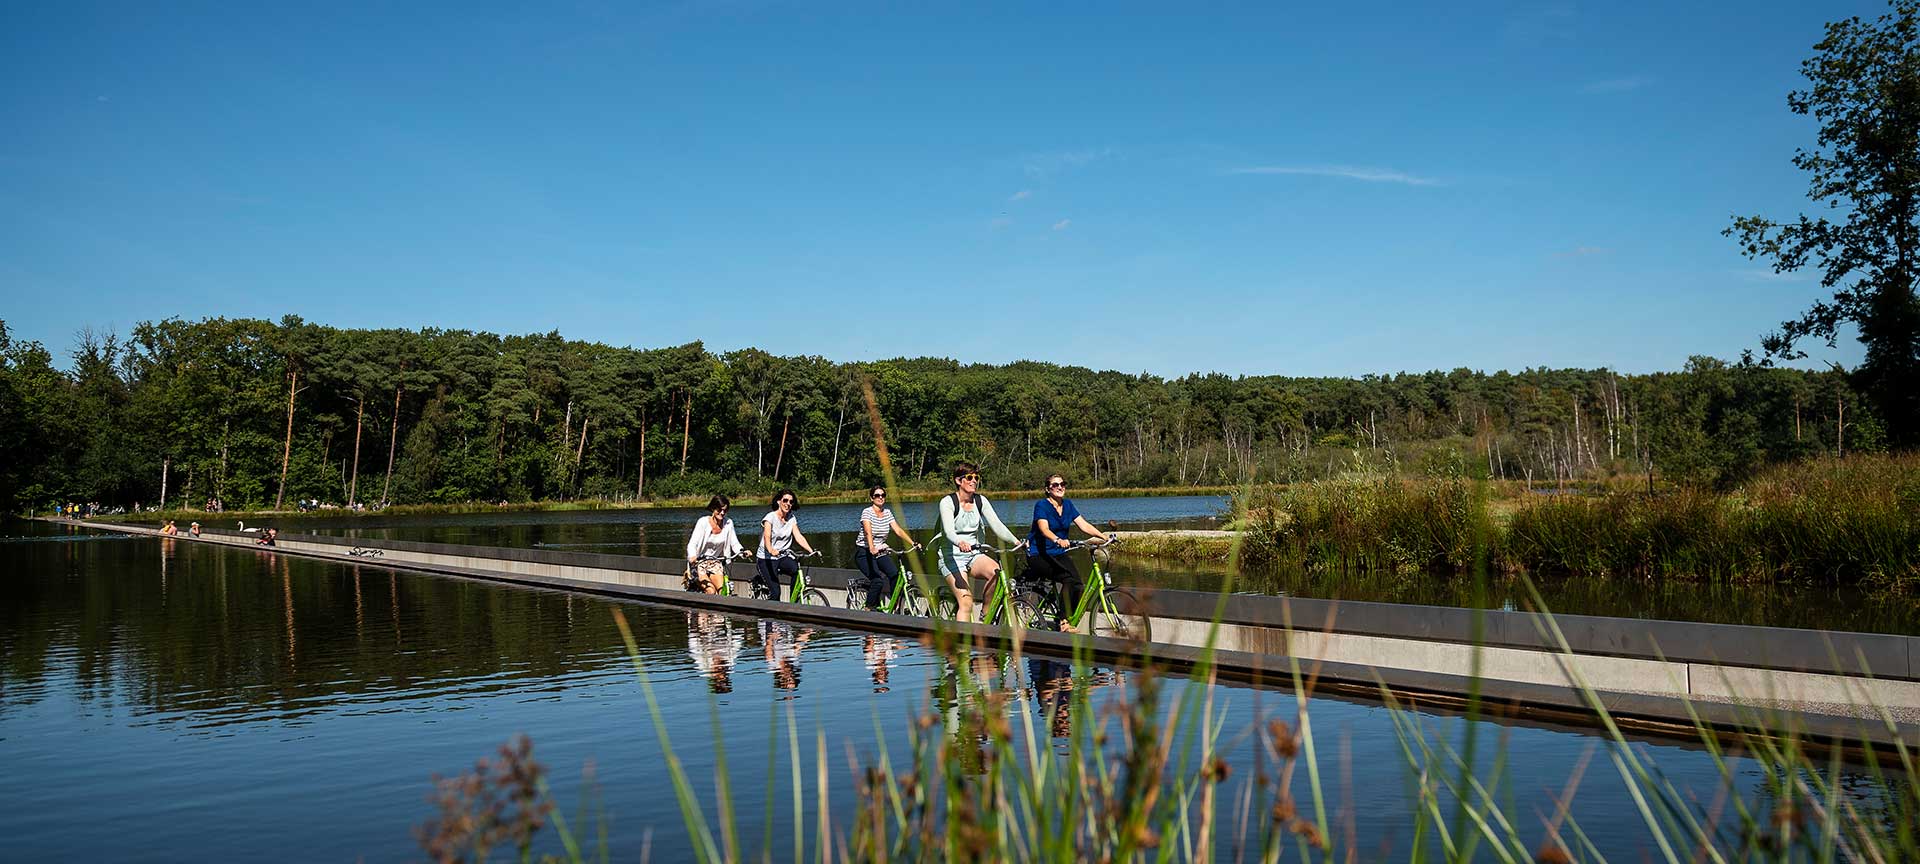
879,653
714,646
1047,544
782,644
962,515
779,533
870,547
713,541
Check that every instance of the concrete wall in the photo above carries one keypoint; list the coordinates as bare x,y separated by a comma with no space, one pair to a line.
1416,649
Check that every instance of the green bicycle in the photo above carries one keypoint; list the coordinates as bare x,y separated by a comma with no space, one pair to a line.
799,591
1001,606
905,597
1109,611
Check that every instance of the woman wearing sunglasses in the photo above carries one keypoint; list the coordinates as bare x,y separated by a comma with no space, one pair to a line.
870,547
712,543
1048,544
779,533
962,515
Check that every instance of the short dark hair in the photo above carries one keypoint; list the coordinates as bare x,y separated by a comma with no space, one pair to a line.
1049,480
877,487
782,494
964,468
719,502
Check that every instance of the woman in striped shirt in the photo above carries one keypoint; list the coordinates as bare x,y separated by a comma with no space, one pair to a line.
870,547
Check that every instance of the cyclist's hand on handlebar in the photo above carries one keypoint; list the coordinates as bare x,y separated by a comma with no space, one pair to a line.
965,547
1063,542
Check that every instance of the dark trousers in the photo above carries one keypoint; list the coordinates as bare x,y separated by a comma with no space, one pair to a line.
1059,570
879,570
766,573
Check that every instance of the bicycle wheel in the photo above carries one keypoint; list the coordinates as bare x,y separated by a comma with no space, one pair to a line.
761,592
1127,621
814,597
945,604
1027,613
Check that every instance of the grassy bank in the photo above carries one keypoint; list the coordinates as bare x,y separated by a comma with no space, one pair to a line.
1843,521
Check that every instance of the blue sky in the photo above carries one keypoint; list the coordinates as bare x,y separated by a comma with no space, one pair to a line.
1270,188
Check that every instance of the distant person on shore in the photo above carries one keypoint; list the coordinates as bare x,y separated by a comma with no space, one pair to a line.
193,530
1047,543
779,533
962,516
267,538
870,547
712,543
170,530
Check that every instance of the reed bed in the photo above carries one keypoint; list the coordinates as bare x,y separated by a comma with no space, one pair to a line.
1842,521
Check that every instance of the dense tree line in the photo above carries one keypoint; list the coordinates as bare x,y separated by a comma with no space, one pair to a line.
258,413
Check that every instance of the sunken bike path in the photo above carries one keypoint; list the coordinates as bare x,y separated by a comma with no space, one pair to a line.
1652,676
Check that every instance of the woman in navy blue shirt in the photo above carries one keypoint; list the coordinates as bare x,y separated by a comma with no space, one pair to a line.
1047,542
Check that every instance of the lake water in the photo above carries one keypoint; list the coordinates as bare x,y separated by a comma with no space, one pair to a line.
663,532
163,700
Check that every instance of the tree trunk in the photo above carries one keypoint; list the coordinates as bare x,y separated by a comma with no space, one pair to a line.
286,450
220,482
393,444
1840,427
640,486
580,454
781,459
686,428
359,417
165,463
839,427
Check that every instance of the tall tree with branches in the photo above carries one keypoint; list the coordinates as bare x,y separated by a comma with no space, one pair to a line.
1865,166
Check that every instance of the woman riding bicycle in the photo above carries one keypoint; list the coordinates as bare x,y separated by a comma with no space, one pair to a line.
870,547
962,515
713,542
779,533
1047,544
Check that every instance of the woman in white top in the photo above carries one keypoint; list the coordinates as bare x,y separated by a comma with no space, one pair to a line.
779,533
713,542
962,515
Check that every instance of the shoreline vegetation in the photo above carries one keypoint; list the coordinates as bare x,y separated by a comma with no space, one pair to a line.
815,498
1855,520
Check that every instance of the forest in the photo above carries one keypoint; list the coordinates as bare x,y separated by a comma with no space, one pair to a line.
259,414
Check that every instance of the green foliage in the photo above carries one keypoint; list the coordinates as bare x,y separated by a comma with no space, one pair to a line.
1864,90
450,416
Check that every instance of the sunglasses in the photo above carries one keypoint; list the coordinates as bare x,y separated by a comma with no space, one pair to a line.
1056,485
786,500
974,477
879,495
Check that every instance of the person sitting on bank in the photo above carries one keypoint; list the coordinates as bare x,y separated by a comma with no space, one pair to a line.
193,530
171,530
267,538
713,542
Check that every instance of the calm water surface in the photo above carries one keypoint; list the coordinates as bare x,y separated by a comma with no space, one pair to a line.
166,699
663,532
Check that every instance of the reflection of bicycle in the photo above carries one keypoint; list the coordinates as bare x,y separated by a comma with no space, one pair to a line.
1109,611
1000,606
905,597
799,592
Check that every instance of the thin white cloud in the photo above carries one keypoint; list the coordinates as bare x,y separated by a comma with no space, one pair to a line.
1062,224
1617,85
1348,172
1041,165
1021,195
